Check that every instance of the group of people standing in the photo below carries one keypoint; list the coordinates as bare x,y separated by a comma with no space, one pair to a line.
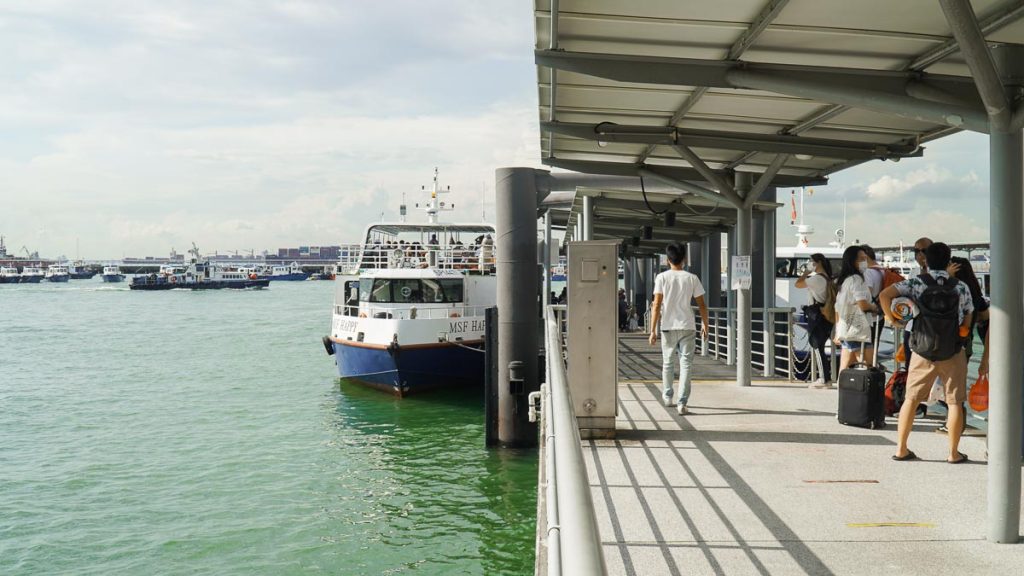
848,310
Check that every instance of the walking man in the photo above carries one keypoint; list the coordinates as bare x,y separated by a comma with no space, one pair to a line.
943,320
674,289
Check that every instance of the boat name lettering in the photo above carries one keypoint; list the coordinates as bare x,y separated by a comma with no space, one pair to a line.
461,326
348,325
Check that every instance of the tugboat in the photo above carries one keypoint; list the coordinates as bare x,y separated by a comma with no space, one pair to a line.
32,275
328,273
112,274
409,304
57,273
9,275
197,274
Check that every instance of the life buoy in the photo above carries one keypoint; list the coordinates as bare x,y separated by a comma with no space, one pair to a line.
455,315
174,279
362,314
253,276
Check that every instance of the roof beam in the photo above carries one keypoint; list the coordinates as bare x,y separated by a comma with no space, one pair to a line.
656,173
767,15
715,179
879,90
779,144
971,39
677,173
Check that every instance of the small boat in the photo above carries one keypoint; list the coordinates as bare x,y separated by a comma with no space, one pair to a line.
112,274
78,271
9,275
32,275
57,273
328,273
197,274
292,272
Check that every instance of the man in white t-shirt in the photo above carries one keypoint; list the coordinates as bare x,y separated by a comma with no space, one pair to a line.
874,275
674,289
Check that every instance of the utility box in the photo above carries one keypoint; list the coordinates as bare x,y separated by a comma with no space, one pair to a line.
593,334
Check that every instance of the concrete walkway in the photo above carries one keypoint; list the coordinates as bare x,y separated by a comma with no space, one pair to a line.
763,480
638,360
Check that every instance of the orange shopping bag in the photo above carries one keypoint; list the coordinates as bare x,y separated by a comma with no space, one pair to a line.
978,397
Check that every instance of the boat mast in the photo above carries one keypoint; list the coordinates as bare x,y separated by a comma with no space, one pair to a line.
435,205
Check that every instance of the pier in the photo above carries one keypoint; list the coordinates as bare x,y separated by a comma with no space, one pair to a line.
680,123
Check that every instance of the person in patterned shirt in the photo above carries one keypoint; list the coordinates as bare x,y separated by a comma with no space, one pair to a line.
952,372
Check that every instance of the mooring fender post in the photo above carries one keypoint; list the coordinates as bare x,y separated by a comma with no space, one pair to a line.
516,200
491,376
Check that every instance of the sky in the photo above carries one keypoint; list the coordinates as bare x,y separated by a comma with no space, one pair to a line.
128,127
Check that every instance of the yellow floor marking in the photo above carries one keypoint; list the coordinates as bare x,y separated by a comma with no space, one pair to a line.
891,525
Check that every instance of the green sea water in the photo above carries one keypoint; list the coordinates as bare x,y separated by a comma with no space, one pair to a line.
207,433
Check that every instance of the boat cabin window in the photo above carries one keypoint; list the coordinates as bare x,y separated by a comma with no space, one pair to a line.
411,290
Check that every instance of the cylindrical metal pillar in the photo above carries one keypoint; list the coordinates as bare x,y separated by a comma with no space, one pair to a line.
588,218
730,300
1006,327
768,242
744,244
713,278
546,259
515,196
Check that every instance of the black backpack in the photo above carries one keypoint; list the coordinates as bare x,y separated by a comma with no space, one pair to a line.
936,327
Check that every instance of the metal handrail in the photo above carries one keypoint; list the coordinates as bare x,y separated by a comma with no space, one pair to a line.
429,311
765,351
356,257
571,534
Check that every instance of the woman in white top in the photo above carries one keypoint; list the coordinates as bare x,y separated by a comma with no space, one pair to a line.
854,309
819,329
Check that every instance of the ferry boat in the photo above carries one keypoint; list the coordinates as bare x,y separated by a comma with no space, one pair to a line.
328,273
9,275
197,274
57,273
409,304
292,272
112,274
32,275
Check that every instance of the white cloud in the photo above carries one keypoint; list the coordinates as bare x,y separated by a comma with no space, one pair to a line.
889,186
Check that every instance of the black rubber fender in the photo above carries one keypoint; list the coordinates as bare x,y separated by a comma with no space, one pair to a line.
328,345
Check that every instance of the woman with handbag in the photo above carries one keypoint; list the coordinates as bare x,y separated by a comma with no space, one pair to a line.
819,328
854,310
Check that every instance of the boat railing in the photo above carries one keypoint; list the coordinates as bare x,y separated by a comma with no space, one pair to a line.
568,530
416,312
476,259
772,333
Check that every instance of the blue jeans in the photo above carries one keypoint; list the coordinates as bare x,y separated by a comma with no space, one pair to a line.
683,342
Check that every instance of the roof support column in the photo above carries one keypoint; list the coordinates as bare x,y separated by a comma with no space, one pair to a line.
711,273
515,196
588,218
1006,329
742,183
969,36
730,300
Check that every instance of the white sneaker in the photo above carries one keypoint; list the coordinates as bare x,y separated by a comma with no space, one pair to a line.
819,383
681,409
668,401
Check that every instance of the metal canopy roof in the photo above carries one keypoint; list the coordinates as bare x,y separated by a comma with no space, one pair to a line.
807,85
622,214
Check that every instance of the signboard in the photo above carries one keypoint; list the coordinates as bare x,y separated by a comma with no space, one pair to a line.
741,273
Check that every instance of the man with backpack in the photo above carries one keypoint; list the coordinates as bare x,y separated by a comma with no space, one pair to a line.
944,317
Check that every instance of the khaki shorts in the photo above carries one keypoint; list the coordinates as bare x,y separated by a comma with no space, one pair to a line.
952,373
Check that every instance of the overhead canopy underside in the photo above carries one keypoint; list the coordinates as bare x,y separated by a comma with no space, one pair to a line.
637,80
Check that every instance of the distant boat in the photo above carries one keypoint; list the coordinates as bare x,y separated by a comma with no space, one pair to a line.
57,273
197,274
32,275
9,275
78,271
293,272
112,274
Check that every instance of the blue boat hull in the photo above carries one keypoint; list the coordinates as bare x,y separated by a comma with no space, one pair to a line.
410,370
62,278
10,280
113,277
31,279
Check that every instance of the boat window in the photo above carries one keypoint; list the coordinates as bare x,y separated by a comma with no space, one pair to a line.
407,291
374,290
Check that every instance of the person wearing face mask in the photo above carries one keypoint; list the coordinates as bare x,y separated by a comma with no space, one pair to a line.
854,310
819,328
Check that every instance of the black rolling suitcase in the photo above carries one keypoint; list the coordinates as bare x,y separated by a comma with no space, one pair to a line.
862,393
